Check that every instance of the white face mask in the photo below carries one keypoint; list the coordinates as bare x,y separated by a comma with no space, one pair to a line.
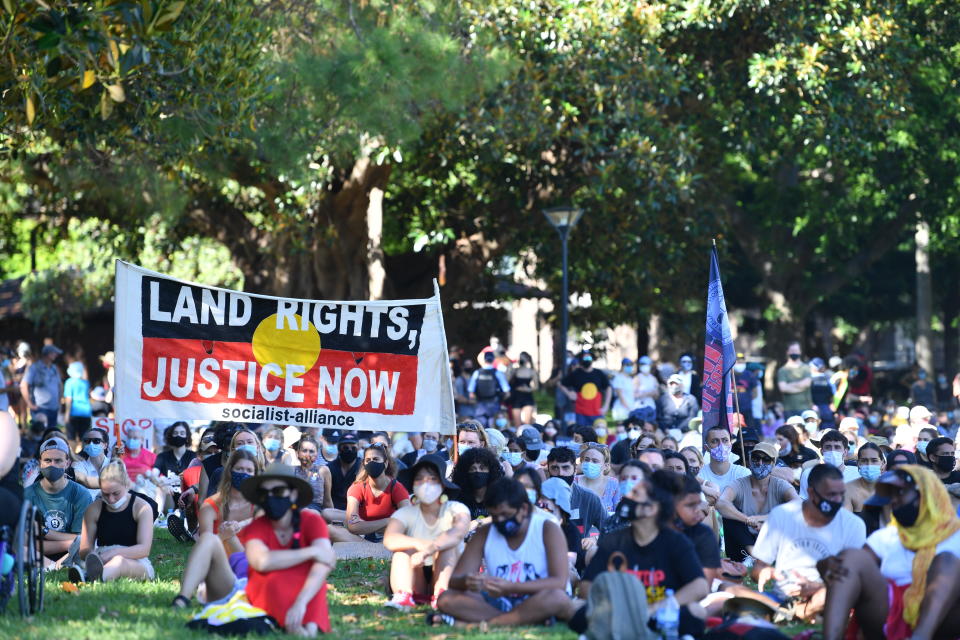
120,504
427,492
833,458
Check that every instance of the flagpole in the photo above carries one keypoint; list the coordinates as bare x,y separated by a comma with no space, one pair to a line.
736,402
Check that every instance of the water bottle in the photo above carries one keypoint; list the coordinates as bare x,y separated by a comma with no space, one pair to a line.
668,617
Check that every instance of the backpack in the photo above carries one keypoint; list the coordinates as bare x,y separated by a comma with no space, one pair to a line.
617,605
488,387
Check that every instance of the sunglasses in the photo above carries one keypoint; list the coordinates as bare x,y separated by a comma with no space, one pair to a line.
469,426
92,441
276,492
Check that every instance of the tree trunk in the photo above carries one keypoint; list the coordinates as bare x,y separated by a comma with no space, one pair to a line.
924,297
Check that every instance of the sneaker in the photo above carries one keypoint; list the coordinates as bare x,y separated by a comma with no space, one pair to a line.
94,568
178,530
75,574
401,600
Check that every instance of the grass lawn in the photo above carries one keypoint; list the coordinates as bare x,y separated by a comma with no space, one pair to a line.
141,610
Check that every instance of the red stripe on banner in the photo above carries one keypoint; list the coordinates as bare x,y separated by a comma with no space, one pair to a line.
228,373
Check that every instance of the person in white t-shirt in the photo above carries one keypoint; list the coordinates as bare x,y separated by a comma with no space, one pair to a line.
833,447
720,473
797,535
622,383
905,582
646,387
428,533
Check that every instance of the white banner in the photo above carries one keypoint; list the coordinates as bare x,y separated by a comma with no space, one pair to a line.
190,352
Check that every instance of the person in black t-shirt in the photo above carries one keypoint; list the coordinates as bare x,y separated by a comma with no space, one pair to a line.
590,391
179,456
343,472
942,455
659,556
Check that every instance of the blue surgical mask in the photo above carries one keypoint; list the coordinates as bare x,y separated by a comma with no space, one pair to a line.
500,422
93,450
513,458
922,446
330,450
532,496
591,470
248,448
271,444
429,445
628,369
134,443
833,458
463,448
870,472
626,486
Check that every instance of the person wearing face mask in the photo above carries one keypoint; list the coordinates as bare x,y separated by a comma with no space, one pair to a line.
288,551
688,375
61,500
136,456
660,556
475,471
676,408
487,387
921,391
242,439
748,388
746,503
178,455
117,532
523,380
623,390
871,465
316,474
903,582
794,379
526,568
720,472
343,473
329,438
942,455
93,460
646,389
595,475
793,454
589,390
834,448
797,535
426,537
923,440
375,495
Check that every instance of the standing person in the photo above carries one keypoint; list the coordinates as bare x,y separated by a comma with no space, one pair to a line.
661,557
41,386
822,391
20,364
797,535
589,389
463,405
921,391
688,375
595,475
646,387
76,397
376,494
623,383
137,458
526,567
748,387
428,533
117,532
523,381
794,380
720,472
487,388
289,553
676,408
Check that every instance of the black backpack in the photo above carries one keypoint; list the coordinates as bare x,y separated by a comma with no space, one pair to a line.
488,387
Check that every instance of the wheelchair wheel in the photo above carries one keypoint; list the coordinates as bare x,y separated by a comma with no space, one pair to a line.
29,567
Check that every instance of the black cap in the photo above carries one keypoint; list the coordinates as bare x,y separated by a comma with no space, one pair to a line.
331,435
750,435
896,478
347,438
434,461
531,439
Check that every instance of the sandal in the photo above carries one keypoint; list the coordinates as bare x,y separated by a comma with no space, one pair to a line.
435,619
177,529
180,602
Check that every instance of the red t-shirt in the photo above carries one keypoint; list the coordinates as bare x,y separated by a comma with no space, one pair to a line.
139,465
275,591
377,507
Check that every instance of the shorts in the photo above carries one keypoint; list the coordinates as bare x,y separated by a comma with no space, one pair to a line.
238,564
505,604
143,561
77,426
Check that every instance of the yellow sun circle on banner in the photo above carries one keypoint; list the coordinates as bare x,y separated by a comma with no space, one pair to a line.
588,391
287,345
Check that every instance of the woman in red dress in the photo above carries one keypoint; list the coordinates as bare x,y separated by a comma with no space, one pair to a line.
289,552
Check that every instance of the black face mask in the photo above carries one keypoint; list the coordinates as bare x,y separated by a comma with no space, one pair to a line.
508,528
52,474
946,463
794,356
348,456
627,509
532,455
827,507
907,514
374,469
479,479
178,441
275,507
567,479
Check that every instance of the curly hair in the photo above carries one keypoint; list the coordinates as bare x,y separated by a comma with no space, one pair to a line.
461,472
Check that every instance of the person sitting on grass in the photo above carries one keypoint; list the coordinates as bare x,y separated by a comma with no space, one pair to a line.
93,460
426,538
588,511
797,535
475,471
595,475
903,583
218,560
136,457
555,499
526,568
661,557
61,501
117,532
376,494
289,553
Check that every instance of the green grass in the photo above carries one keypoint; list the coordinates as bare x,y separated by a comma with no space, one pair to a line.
141,610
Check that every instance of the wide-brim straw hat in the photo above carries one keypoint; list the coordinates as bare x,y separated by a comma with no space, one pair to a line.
277,471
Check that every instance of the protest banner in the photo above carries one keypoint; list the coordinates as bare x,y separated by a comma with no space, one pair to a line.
150,439
192,352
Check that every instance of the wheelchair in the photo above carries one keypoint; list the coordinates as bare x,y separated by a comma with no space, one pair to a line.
25,577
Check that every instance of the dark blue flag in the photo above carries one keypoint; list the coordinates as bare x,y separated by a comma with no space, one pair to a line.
718,356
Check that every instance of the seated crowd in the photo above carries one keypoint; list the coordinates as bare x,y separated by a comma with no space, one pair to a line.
492,527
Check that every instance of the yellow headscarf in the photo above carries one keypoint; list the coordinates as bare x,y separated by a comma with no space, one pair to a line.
937,522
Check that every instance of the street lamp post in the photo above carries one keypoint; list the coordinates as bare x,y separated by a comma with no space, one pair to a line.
563,219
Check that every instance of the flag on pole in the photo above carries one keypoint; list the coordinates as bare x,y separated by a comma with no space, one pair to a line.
718,355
